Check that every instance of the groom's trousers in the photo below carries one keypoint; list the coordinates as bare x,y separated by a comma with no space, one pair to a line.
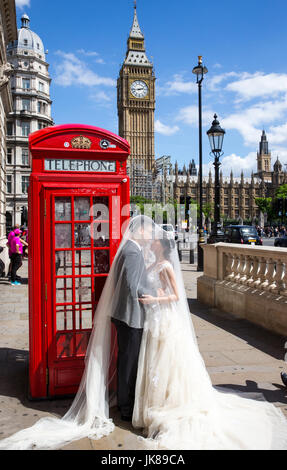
129,341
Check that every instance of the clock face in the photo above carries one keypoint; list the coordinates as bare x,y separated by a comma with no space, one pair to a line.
139,89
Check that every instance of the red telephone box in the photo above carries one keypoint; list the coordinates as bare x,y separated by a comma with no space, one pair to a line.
78,201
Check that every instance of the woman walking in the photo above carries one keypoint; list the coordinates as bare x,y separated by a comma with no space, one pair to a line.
16,256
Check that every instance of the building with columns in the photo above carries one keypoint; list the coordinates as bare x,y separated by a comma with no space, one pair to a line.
30,85
8,32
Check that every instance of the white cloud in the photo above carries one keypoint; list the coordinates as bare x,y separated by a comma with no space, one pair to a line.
22,3
259,85
102,98
238,164
177,85
164,129
73,71
213,82
247,121
94,54
189,115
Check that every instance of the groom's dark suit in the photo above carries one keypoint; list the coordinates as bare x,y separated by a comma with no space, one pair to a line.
128,317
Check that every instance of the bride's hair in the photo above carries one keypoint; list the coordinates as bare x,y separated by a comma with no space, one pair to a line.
167,245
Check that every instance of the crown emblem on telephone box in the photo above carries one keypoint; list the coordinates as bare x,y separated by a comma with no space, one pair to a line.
81,142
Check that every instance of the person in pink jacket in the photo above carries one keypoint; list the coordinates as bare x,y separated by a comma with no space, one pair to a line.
16,247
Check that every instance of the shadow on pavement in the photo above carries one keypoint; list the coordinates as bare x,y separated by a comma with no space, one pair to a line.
261,339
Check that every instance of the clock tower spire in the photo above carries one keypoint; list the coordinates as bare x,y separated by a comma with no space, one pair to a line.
136,106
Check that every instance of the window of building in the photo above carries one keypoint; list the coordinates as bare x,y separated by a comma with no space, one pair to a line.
41,125
26,83
41,86
9,184
9,128
226,201
236,200
25,157
26,104
26,42
25,184
9,156
39,106
25,128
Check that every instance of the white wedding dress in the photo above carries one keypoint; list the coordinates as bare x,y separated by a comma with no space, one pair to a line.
175,402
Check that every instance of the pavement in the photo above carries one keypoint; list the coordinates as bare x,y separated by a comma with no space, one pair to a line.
237,354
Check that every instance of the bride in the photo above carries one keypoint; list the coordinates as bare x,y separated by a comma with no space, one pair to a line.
175,402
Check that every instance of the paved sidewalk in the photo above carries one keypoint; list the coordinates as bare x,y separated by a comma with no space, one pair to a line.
237,354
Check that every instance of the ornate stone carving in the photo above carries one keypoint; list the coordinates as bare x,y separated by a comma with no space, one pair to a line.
5,72
81,142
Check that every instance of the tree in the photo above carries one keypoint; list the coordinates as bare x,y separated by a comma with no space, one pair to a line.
265,205
281,192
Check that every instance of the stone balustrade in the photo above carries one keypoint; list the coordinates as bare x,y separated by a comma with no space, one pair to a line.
248,282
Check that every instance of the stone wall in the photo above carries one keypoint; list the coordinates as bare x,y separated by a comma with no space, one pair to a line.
248,282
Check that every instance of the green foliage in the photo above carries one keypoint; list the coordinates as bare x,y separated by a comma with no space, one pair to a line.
281,192
265,205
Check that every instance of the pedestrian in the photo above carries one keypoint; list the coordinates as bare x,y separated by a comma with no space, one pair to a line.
16,256
11,235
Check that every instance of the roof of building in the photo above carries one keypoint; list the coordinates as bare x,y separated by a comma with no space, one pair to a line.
28,39
136,31
135,56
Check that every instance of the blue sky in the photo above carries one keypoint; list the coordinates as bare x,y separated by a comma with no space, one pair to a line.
243,44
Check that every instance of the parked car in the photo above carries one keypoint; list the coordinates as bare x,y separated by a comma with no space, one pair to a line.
281,241
244,234
169,229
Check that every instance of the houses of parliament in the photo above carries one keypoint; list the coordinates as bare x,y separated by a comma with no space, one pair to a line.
156,178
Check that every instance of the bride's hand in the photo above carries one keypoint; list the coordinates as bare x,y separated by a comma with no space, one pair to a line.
147,299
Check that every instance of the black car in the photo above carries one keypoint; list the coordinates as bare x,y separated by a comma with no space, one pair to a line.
244,234
281,241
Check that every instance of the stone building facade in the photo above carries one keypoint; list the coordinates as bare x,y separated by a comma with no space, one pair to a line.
8,32
237,194
30,84
136,106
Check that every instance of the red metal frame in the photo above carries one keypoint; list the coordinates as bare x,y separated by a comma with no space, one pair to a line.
51,374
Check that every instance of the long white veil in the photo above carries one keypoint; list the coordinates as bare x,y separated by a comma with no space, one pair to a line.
175,401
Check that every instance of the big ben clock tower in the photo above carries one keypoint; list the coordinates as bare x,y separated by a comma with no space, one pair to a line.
136,105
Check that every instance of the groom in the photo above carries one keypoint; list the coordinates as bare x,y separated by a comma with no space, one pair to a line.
128,316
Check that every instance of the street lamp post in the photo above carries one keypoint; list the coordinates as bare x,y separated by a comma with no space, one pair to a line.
200,71
216,136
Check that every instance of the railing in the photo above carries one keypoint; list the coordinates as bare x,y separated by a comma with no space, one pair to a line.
248,282
264,269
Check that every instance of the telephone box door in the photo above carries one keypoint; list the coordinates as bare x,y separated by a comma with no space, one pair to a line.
81,239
